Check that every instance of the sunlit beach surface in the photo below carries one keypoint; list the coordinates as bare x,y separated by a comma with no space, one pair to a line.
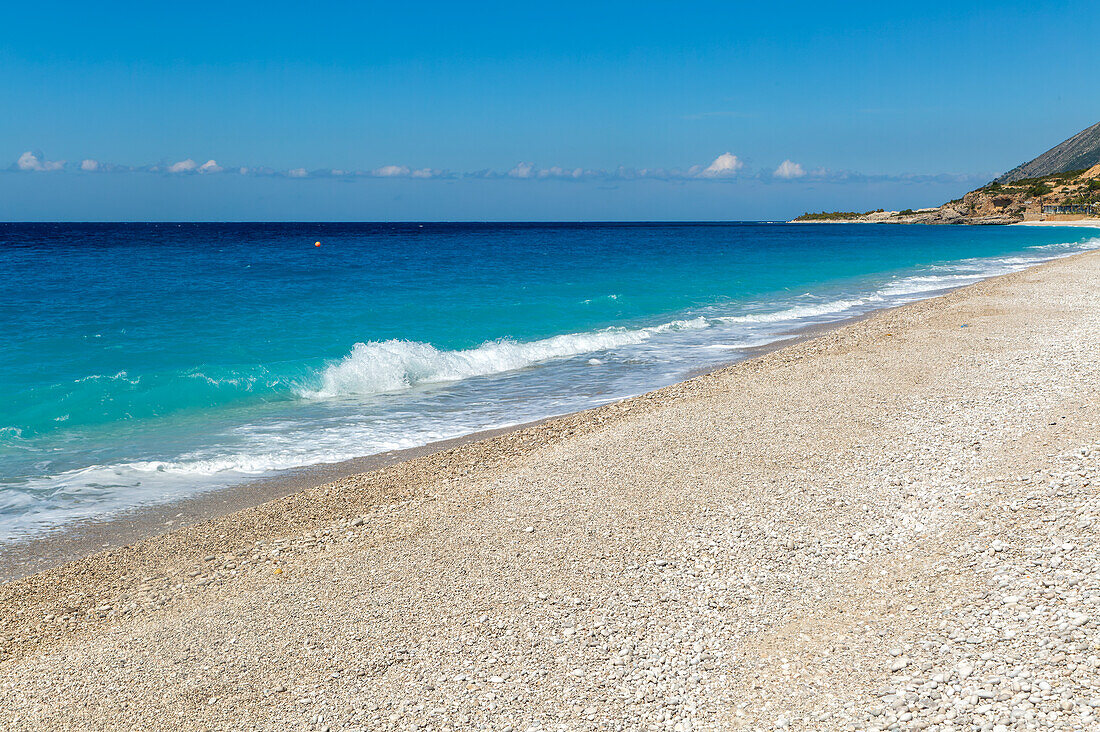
893,524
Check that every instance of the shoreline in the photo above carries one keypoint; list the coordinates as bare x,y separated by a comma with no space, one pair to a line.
1080,223
865,529
50,545
72,542
24,557
1083,224
89,537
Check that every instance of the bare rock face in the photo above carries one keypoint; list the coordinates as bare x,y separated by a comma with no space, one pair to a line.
991,220
1078,152
943,215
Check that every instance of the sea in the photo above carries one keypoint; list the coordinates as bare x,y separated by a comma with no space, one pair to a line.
145,363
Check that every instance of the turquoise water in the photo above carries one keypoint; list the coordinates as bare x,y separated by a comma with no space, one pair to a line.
143,363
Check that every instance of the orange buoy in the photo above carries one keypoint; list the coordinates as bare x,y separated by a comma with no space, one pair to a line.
316,243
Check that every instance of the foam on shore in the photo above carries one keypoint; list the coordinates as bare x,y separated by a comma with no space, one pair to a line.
399,394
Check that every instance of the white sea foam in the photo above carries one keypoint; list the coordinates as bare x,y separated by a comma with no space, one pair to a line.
630,360
968,271
378,367
1086,245
120,376
918,284
242,382
40,503
800,312
10,432
955,274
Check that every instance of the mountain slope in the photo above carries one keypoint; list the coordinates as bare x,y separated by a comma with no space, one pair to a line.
995,203
1066,177
1078,152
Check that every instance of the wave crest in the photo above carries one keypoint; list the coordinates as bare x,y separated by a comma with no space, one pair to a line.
378,367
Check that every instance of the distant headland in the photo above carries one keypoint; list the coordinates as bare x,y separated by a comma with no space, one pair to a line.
1061,185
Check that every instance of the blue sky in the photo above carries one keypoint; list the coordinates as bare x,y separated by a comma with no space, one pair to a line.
508,111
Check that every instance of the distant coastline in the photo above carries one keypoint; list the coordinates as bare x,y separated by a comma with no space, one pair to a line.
1070,198
1060,187
1083,221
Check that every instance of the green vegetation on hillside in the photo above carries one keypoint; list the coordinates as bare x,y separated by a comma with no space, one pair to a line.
997,201
835,215
1053,178
845,215
1031,187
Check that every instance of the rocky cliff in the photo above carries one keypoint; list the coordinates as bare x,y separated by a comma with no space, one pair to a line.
1065,175
1077,153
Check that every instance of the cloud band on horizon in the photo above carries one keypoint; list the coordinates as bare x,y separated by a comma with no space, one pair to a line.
725,167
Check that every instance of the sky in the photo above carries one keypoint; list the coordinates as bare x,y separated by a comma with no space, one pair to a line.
527,111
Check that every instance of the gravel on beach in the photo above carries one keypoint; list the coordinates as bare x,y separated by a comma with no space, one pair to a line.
892,526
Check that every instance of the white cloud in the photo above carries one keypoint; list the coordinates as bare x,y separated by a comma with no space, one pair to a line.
724,165
559,172
28,161
522,170
789,169
183,166
31,162
402,171
392,171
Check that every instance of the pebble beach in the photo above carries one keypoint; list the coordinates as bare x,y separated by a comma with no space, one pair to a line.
890,526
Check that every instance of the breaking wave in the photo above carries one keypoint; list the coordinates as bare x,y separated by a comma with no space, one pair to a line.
378,367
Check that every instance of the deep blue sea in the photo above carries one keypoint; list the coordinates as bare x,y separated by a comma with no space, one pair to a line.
140,363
